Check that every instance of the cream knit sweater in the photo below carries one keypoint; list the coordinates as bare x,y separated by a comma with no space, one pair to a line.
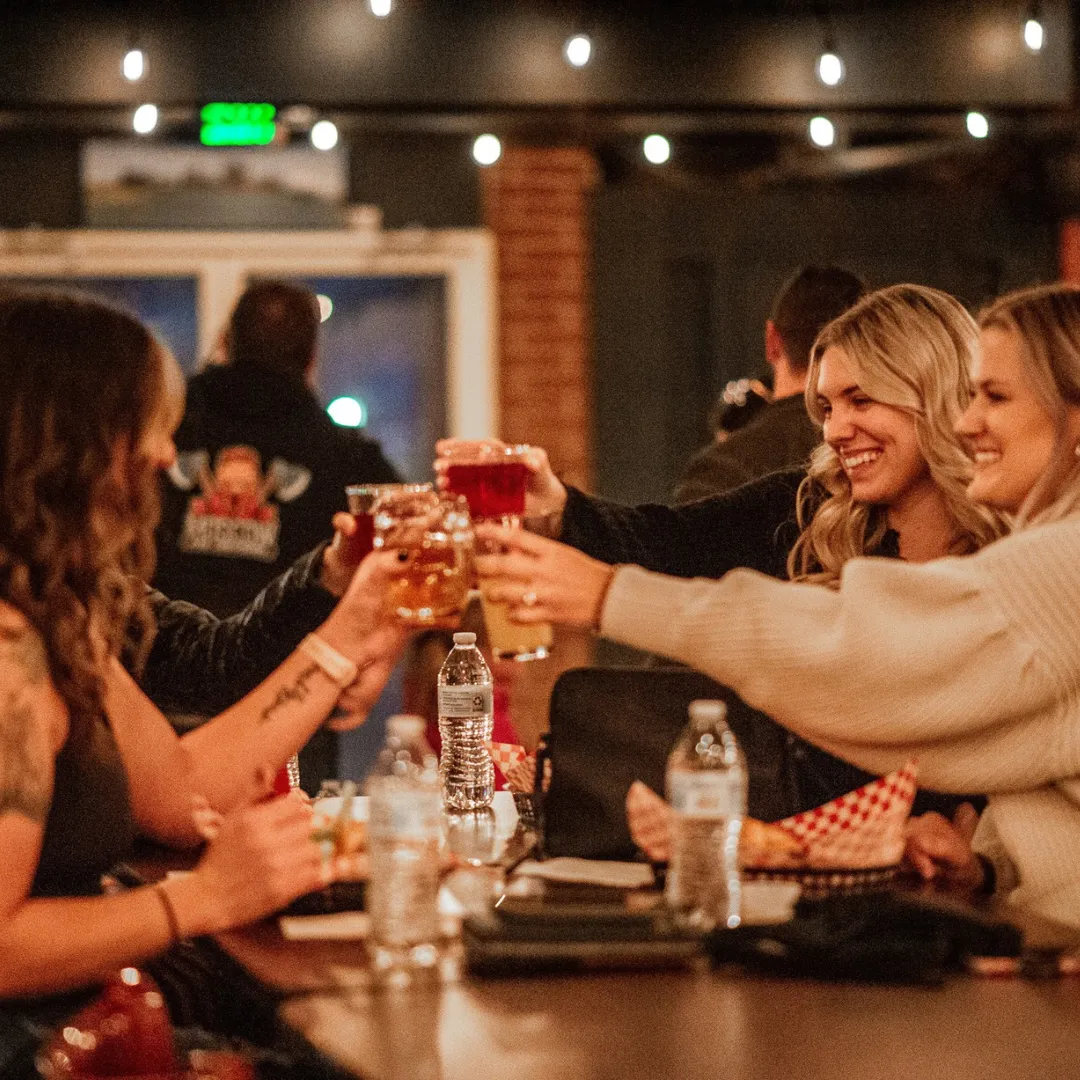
971,664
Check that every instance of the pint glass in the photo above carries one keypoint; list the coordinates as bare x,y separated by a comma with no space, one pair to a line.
433,535
493,480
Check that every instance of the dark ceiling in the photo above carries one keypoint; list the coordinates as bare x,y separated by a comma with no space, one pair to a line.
733,80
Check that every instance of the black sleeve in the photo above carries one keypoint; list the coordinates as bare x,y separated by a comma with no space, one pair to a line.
200,663
372,465
711,471
753,526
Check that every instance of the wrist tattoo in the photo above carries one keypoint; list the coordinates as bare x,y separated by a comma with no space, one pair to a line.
297,691
25,773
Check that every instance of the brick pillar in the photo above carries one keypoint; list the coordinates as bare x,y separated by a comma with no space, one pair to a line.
1069,251
536,204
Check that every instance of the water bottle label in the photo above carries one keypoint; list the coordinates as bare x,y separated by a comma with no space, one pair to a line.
704,794
461,701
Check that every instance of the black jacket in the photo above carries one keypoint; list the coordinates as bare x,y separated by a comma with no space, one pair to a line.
201,664
261,471
781,436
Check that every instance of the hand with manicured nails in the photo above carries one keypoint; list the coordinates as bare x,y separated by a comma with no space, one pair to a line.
541,580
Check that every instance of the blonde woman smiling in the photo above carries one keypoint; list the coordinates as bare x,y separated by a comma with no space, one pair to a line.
969,663
888,381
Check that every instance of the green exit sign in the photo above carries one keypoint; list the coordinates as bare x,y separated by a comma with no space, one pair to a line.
237,123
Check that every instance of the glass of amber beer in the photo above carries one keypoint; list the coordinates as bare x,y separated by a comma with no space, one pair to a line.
432,533
493,480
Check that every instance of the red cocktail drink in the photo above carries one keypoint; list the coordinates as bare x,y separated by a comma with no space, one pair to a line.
494,488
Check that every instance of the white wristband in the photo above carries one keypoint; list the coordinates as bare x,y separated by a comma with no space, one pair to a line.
340,670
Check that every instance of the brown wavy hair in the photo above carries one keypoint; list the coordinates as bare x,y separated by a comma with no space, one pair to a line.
912,348
83,384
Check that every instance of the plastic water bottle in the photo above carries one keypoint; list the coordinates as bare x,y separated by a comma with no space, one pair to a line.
404,838
706,786
465,727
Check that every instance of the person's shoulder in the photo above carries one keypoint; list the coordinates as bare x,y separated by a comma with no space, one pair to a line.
1035,546
22,652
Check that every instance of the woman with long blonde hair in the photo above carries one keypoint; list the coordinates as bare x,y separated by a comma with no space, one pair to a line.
969,663
888,380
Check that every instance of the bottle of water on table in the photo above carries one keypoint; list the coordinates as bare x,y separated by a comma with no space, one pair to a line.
465,727
706,786
404,840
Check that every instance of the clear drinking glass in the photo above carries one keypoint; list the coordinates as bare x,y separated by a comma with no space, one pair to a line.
432,533
362,499
493,480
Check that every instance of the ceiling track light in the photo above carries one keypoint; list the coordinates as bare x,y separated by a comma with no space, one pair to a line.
830,67
578,50
1034,32
977,125
657,149
380,8
486,149
133,65
822,132
144,119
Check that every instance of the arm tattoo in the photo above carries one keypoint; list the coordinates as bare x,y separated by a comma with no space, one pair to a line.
24,766
297,691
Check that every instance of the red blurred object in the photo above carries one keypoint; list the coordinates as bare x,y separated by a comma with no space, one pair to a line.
125,1032
362,541
282,785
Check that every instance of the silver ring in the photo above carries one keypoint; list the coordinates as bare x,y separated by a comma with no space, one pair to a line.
528,599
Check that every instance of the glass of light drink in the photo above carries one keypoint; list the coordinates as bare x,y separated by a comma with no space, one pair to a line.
433,536
493,479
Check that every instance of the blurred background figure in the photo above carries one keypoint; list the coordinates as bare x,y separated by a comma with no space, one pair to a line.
260,469
741,401
780,435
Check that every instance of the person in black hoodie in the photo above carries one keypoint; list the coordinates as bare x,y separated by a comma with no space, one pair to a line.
260,470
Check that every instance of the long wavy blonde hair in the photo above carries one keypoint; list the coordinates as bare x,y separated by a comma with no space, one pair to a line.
911,348
1047,320
83,385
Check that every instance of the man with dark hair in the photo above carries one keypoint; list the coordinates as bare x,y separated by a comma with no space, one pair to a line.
260,470
781,436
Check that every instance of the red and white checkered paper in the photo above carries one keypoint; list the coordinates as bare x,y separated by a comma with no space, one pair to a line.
859,830
517,765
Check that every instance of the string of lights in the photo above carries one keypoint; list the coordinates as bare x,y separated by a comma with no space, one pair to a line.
579,51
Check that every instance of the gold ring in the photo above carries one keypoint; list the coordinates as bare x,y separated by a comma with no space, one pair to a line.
528,599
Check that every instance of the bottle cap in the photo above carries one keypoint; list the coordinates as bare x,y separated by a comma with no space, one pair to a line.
704,711
464,638
404,726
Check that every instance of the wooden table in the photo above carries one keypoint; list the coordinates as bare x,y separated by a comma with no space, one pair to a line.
708,1025
658,1025
675,1024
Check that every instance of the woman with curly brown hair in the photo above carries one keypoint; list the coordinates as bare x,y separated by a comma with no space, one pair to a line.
89,403
888,380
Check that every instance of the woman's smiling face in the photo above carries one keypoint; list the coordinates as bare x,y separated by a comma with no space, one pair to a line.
1009,433
875,442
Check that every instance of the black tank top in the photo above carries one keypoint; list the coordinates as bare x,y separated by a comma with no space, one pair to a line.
90,826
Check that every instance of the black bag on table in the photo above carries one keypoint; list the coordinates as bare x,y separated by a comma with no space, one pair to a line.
612,726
